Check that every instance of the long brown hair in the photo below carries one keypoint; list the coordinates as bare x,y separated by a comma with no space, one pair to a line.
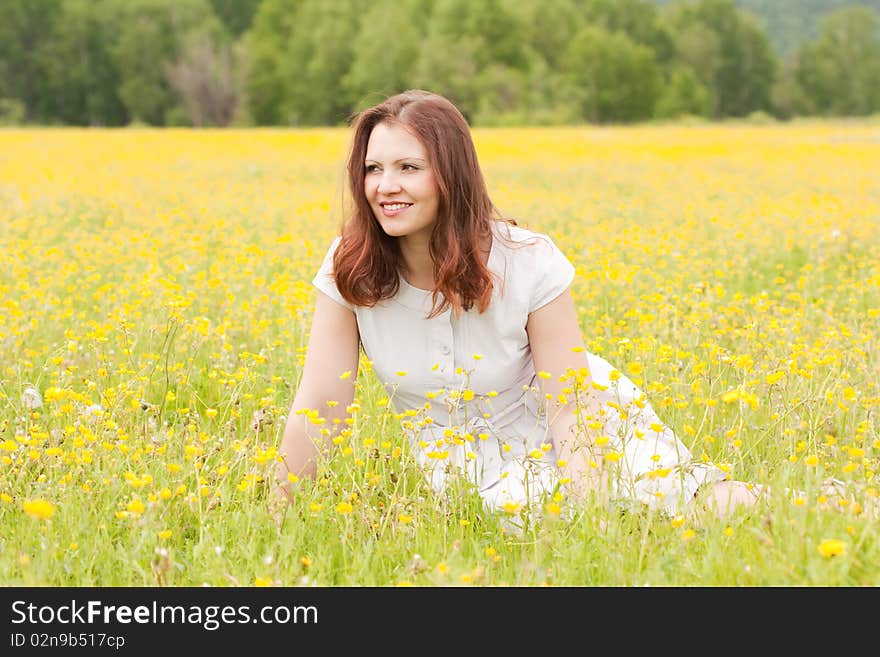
367,261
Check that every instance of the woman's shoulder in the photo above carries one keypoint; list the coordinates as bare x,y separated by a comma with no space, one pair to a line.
513,238
531,265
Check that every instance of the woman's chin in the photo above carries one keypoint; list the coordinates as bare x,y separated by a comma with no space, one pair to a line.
394,229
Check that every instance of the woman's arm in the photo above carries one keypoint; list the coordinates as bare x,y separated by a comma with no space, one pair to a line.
332,351
558,348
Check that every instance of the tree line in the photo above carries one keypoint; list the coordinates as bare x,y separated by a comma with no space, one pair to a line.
504,62
791,22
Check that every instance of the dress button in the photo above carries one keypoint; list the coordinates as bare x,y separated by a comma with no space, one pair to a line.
445,349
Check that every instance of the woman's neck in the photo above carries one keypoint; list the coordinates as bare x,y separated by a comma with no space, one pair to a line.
418,268
418,264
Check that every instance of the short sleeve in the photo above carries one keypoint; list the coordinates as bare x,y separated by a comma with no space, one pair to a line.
324,280
553,273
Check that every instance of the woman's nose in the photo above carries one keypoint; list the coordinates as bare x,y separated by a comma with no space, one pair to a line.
388,183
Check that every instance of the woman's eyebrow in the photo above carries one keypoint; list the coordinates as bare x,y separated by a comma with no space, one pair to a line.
398,161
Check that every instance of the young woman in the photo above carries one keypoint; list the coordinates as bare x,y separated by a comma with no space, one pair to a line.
469,321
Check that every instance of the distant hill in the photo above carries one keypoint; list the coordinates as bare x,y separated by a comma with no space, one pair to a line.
790,22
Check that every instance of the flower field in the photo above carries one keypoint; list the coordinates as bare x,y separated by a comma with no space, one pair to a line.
155,300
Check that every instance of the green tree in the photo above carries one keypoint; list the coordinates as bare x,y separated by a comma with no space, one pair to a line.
728,50
316,58
790,23
616,78
502,30
236,15
24,25
638,19
682,95
699,48
469,44
840,70
149,42
451,68
789,99
380,65
204,78
541,93
81,77
264,47
549,26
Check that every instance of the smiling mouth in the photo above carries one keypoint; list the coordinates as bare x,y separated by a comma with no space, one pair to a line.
394,207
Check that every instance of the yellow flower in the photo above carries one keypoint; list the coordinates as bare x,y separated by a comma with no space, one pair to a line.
39,509
832,547
774,377
165,534
730,396
511,507
135,506
344,507
263,581
856,452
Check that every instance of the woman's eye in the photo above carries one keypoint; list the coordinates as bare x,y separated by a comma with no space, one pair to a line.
411,167
371,168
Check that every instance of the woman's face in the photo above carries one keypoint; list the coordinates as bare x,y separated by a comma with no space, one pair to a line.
399,183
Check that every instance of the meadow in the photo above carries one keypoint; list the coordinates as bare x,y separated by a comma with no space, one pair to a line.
155,300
